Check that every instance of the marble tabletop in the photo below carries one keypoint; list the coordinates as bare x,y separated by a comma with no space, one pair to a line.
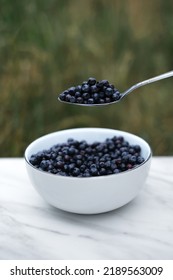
32,229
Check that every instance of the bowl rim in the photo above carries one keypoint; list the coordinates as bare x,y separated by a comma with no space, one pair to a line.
87,178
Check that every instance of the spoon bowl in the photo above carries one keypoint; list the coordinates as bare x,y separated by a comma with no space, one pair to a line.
125,93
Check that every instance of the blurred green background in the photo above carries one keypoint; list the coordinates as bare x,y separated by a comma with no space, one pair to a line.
48,46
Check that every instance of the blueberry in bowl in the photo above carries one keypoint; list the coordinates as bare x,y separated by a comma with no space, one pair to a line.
88,170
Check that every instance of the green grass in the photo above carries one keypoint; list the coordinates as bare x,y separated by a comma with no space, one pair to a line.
47,46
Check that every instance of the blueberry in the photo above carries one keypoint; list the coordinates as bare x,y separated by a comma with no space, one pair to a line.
78,157
71,166
96,96
72,99
137,148
108,164
34,160
94,89
68,97
62,96
79,99
107,100
132,159
85,88
101,94
86,174
78,88
90,101
84,83
132,151
113,166
86,95
112,86
91,81
100,147
82,146
44,164
93,165
103,83
66,158
76,171
140,159
70,140
95,144
60,164
122,166
71,151
82,167
62,173
109,91
79,162
115,96
125,158
116,171
77,94
72,90
101,101
101,164
103,171
88,150
81,159
129,166
66,167
93,171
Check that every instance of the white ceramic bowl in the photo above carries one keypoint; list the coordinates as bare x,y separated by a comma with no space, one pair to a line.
90,195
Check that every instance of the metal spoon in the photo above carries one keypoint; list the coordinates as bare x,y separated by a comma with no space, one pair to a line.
132,88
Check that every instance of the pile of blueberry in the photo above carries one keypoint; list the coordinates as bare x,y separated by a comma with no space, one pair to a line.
81,159
91,92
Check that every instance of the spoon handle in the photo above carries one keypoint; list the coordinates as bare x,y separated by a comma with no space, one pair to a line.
149,81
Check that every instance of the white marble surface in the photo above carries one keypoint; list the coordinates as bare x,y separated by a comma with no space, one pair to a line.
31,229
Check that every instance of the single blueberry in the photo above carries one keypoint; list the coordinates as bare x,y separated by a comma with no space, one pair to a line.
91,81
107,100
113,166
103,83
108,164
96,96
72,90
101,101
72,99
77,94
103,171
68,97
82,167
76,171
94,89
79,99
140,159
86,95
137,148
132,159
90,101
71,151
85,88
62,96
101,94
71,166
93,171
109,91
44,164
78,88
